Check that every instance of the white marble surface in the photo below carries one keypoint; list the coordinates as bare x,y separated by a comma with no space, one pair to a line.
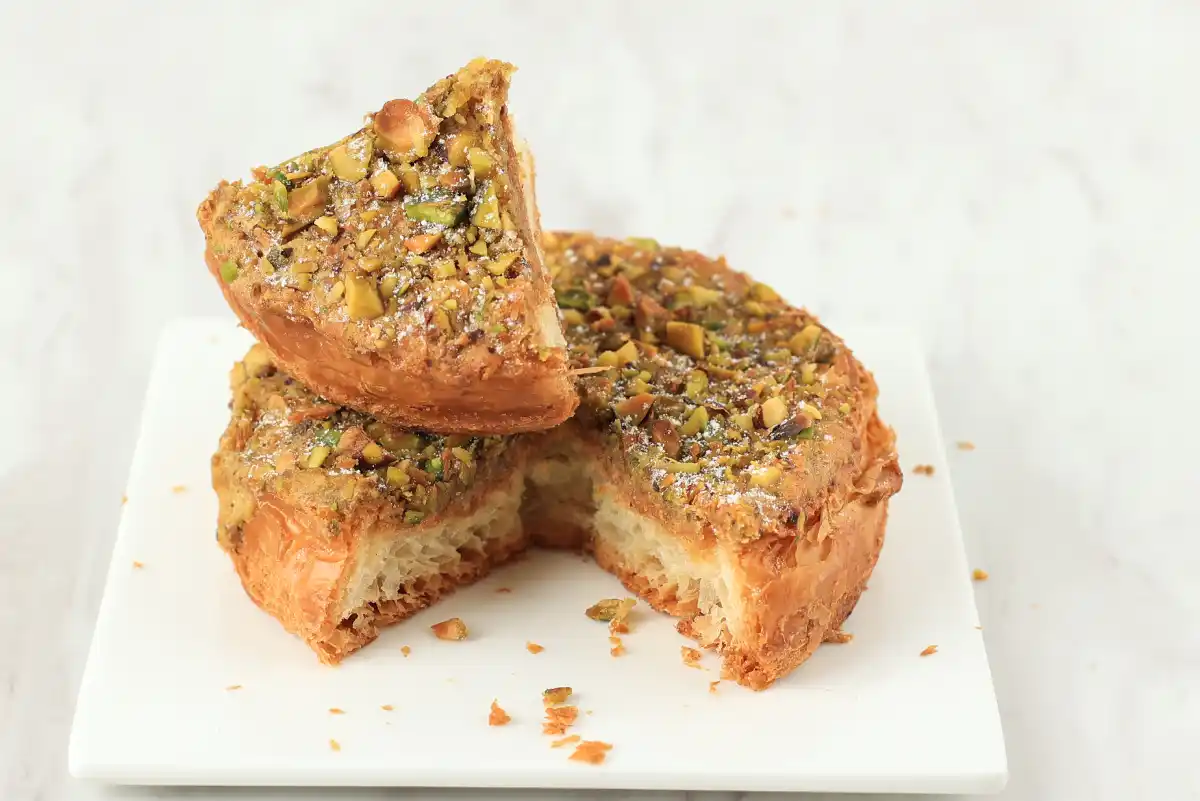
1017,181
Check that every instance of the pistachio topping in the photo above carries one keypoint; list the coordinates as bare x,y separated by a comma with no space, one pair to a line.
420,199
710,382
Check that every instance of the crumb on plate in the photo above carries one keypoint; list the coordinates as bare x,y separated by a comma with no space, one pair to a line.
138,565
497,716
929,650
334,745
233,687
965,445
404,649
558,718
452,629
178,488
533,648
387,707
712,686
979,575
333,710
618,647
503,589
691,657
923,469
570,738
556,695
124,499
838,637
591,751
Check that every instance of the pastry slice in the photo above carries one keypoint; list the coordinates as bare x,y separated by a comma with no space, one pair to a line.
727,462
339,524
398,271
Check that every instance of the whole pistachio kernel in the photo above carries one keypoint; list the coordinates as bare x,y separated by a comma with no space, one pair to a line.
229,271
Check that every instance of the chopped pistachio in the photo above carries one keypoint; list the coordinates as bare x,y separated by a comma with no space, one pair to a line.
397,476
439,210
370,264
229,271
610,609
327,224
805,340
627,353
572,317
388,285
574,299
372,453
808,373
413,517
743,421
463,455
480,162
369,215
456,149
556,695
774,411
349,161
487,208
479,248
500,264
280,193
337,290
445,269
385,184
763,293
844,408
812,411
635,407
643,243
697,382
318,456
696,422
364,238
672,466
687,338
362,298
704,297
307,203
765,477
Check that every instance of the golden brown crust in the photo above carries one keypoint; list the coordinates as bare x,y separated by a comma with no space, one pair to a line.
423,301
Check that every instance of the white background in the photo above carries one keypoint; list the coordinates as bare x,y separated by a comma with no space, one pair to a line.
1017,181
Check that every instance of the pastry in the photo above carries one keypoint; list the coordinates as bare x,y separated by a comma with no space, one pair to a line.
726,462
398,271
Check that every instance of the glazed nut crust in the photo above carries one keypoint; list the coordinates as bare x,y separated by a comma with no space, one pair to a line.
399,270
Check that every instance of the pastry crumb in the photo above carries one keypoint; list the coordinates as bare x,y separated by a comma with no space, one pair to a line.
404,649
558,718
592,752
497,716
979,575
556,695
691,657
570,738
334,745
178,488
929,650
387,707
533,648
923,469
712,686
232,687
333,710
138,565
618,647
452,629
503,589
965,445
979,628
838,637
124,499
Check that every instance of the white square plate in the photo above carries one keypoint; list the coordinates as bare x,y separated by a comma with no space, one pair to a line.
176,633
